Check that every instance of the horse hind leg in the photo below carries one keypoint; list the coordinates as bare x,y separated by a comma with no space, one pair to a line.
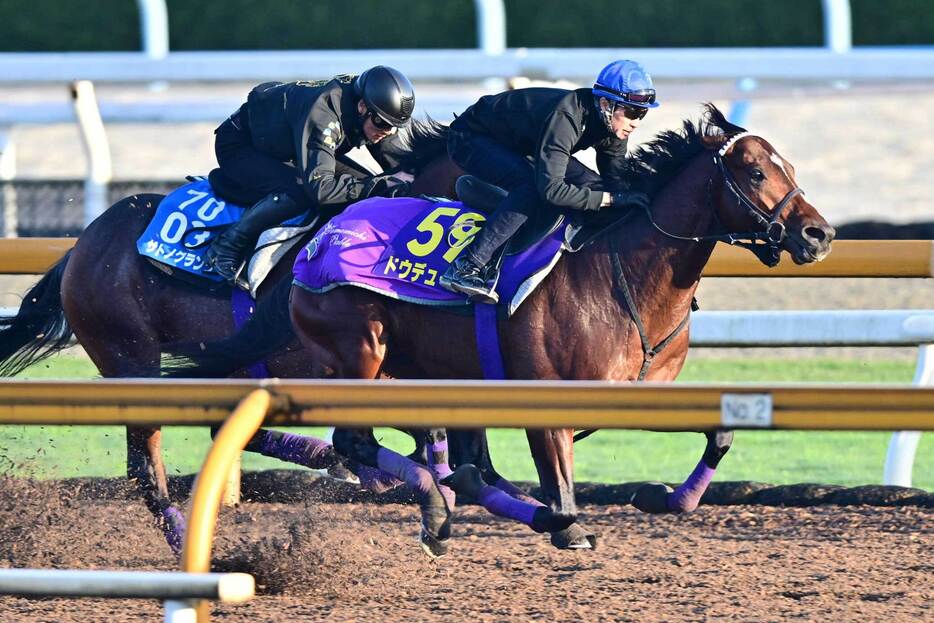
347,335
657,497
135,357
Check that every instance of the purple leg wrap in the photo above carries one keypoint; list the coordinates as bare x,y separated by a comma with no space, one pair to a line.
308,451
408,471
504,485
499,503
376,480
173,526
435,450
686,497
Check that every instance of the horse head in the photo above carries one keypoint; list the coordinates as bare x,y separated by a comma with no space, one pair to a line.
759,195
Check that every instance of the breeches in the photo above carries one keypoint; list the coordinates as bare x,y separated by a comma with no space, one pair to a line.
246,174
496,164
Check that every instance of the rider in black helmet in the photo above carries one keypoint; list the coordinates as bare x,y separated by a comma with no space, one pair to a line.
284,151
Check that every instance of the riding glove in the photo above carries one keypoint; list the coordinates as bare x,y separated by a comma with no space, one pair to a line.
386,186
629,199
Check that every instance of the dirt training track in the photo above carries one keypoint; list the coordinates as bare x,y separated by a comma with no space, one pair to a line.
353,561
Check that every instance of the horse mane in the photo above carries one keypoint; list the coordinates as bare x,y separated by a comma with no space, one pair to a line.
652,165
426,140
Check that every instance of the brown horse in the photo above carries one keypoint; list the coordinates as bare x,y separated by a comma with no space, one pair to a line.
617,310
122,310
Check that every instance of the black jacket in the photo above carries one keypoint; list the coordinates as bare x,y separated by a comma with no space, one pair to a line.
549,125
312,124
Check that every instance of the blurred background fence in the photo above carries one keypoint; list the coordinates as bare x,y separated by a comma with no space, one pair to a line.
457,45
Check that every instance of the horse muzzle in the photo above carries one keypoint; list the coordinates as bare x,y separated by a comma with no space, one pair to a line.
811,243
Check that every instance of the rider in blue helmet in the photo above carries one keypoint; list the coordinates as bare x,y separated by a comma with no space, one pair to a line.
522,141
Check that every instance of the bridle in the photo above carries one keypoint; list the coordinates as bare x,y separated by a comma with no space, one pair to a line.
772,234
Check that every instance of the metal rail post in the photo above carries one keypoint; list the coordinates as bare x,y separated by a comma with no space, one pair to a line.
491,34
154,30
7,175
209,485
900,459
96,149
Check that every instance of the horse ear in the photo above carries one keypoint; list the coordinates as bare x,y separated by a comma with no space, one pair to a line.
718,120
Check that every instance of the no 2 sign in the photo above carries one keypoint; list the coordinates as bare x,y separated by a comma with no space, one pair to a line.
746,410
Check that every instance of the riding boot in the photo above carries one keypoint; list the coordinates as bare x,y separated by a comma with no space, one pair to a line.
228,252
466,277
467,274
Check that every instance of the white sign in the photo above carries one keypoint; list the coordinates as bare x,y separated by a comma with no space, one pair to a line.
746,410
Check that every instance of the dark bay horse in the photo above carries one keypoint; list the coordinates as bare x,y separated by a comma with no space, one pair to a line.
617,310
122,310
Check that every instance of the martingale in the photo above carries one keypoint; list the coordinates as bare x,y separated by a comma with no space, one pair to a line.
399,248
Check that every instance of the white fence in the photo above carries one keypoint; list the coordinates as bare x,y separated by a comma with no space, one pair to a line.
179,591
833,328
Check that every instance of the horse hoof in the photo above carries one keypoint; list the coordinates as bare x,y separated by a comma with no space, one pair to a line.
652,498
574,537
466,481
433,546
173,528
546,520
341,473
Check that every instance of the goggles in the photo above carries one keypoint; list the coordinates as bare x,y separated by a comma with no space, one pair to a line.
379,122
643,97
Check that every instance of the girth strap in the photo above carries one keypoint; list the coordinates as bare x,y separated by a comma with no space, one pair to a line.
649,352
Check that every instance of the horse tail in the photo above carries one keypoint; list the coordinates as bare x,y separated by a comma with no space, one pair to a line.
268,331
39,329
427,140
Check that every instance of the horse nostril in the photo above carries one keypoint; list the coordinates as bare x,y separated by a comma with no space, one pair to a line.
819,235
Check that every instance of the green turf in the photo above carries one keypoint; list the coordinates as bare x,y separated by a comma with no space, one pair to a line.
608,456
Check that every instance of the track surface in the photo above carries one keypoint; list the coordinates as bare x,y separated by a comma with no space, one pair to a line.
351,561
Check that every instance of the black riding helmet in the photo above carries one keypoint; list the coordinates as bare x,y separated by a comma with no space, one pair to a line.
387,93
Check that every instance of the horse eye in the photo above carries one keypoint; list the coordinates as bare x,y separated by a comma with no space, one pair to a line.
756,175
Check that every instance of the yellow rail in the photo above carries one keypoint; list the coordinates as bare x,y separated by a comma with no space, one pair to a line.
525,404
30,256
850,258
209,485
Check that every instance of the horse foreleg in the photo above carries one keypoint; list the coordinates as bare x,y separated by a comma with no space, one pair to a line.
659,498
553,453
144,467
470,447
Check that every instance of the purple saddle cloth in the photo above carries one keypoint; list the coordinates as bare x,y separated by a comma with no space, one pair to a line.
400,247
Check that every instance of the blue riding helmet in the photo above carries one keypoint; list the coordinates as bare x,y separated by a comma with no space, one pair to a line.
626,82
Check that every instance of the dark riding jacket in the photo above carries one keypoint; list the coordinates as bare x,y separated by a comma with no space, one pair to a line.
312,124
549,125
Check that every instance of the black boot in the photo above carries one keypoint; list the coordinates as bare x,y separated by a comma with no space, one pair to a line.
228,252
464,276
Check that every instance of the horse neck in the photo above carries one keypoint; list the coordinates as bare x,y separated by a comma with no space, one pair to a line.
663,272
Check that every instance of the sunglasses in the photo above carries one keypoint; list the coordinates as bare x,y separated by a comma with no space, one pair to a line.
633,112
379,122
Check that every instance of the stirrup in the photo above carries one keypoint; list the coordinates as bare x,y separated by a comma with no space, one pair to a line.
481,292
235,278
